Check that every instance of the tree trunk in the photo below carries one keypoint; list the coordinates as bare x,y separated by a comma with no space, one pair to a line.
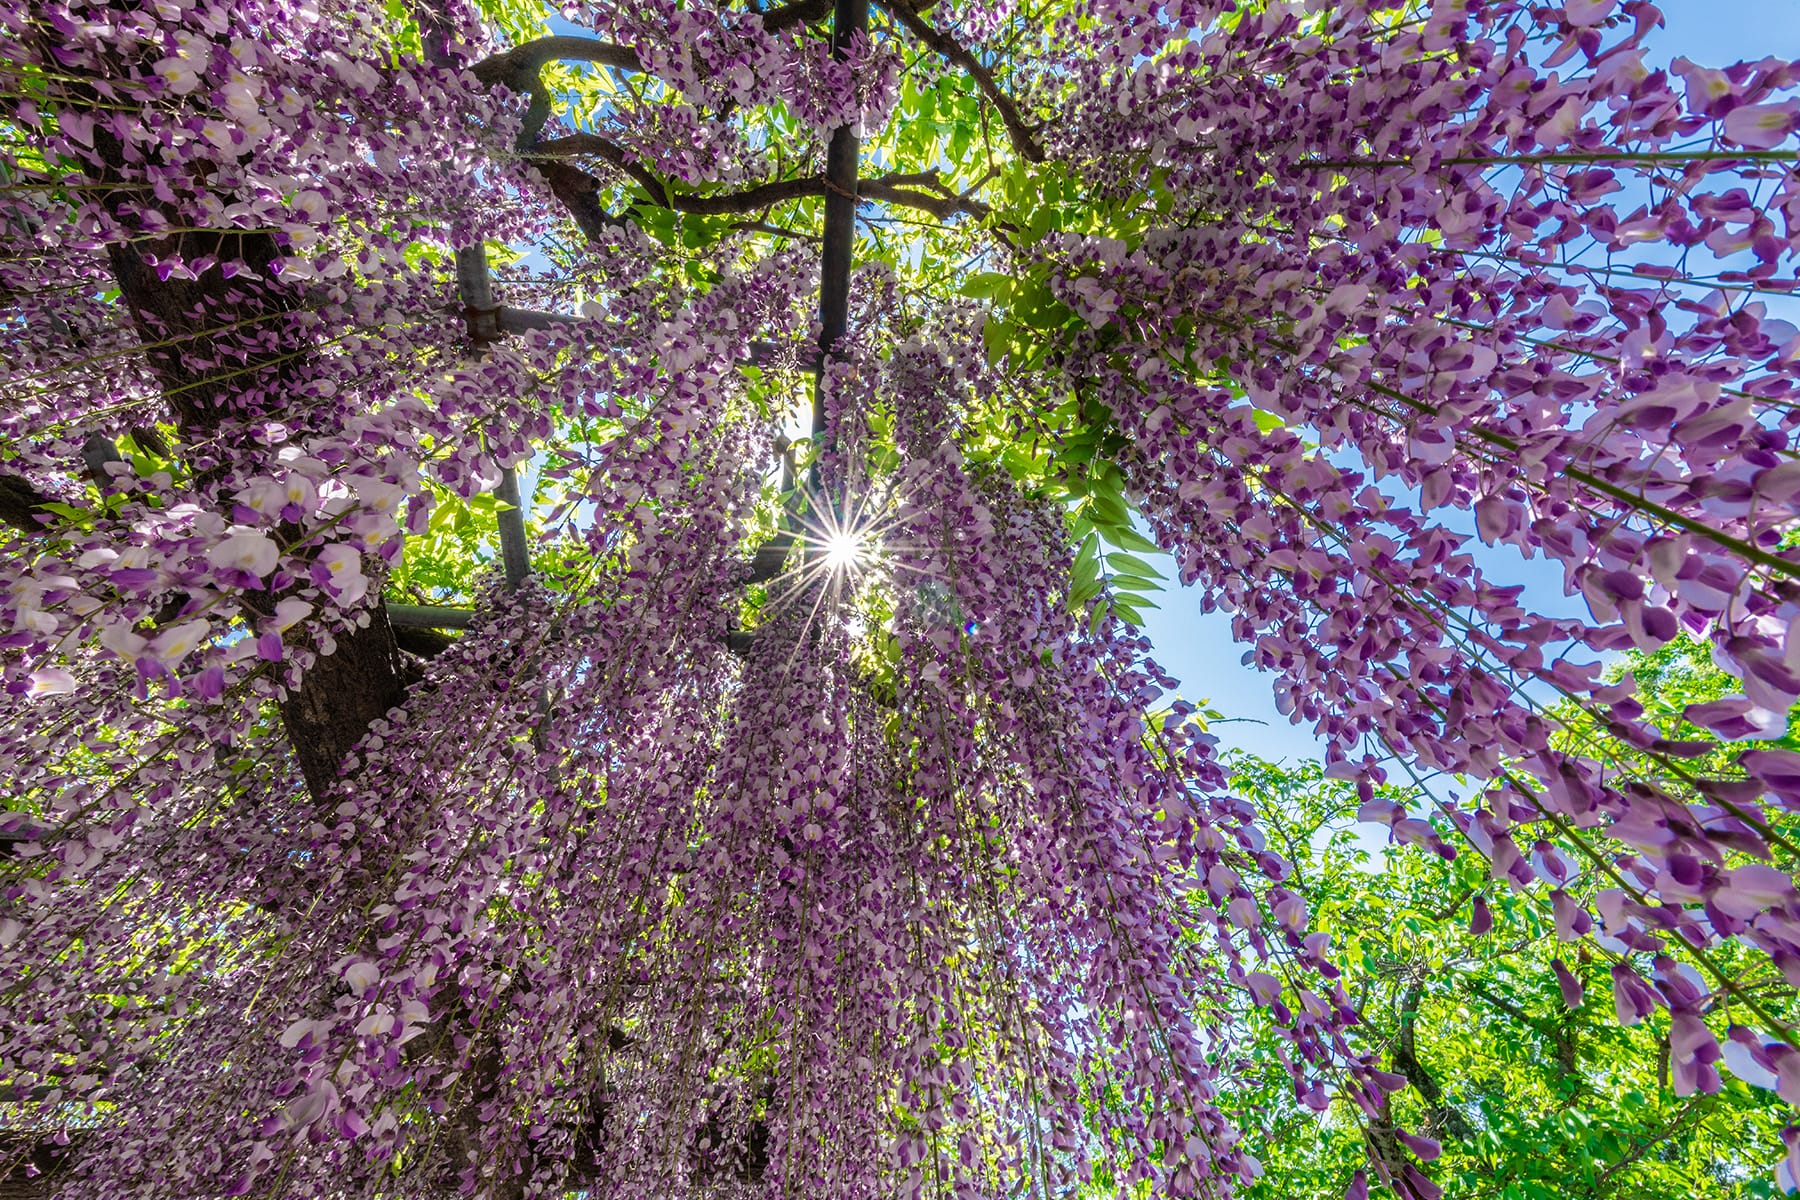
223,347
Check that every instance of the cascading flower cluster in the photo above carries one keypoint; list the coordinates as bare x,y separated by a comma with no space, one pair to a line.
867,874
715,62
225,156
1449,287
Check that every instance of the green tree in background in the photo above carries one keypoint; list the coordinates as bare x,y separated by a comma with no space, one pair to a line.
1529,1099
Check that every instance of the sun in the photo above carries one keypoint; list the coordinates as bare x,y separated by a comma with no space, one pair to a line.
843,549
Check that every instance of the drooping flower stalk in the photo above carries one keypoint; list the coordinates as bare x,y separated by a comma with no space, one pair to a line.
909,894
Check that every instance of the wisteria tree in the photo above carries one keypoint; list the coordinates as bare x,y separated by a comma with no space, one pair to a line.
572,579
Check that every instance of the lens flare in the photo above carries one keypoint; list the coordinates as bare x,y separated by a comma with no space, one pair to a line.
843,549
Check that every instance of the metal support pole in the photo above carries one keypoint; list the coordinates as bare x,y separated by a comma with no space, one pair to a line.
849,17
476,289
514,554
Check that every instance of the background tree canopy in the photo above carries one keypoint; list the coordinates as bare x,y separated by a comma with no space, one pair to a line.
572,581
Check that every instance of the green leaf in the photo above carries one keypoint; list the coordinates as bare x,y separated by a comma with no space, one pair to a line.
989,285
658,222
1131,539
1084,575
1109,509
1123,562
1128,611
997,337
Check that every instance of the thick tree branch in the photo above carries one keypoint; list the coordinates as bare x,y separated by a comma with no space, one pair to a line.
1405,1058
751,199
801,12
522,70
886,189
20,504
592,144
429,616
1023,136
423,643
596,146
579,192
942,207
526,320
520,65
519,68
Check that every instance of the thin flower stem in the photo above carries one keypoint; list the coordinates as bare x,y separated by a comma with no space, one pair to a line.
1650,157
1634,500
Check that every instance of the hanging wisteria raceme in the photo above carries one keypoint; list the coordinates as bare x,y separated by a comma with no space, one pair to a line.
717,60
795,821
356,983
1482,278
254,247
1089,880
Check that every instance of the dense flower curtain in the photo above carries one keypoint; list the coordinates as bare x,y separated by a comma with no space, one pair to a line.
802,822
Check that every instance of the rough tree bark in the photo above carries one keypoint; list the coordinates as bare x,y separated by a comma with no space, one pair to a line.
220,347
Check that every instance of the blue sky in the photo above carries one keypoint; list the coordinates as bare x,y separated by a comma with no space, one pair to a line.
1198,649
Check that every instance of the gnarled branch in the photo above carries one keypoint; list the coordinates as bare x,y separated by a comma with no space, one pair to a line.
593,145
579,192
800,12
750,199
942,207
522,63
886,189
522,70
1405,1058
1023,136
